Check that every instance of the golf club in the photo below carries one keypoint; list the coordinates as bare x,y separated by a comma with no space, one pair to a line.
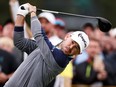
103,23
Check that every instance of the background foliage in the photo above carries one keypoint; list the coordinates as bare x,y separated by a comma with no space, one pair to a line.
103,8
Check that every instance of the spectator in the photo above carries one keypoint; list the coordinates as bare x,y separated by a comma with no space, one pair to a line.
110,66
88,28
47,22
6,43
110,63
98,34
8,63
60,28
107,46
8,29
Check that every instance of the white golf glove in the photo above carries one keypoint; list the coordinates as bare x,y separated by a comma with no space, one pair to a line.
23,9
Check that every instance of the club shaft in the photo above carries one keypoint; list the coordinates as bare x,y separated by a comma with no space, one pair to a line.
103,23
64,13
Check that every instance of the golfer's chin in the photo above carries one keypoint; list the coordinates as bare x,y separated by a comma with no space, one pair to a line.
66,52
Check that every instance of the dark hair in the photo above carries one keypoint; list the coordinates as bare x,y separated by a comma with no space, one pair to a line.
88,25
8,21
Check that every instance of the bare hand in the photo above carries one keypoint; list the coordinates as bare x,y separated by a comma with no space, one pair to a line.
102,75
98,65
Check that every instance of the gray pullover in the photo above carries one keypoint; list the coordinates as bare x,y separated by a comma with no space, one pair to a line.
40,68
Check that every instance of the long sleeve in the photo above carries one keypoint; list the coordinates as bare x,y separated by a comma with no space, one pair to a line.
42,40
25,45
39,33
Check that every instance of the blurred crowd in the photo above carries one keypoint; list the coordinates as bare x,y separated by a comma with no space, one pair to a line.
95,66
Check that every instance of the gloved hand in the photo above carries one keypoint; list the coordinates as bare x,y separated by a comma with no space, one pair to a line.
23,9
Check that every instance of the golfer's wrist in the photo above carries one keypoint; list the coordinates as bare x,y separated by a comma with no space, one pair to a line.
33,13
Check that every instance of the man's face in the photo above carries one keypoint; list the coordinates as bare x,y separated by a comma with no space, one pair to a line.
70,47
89,31
93,48
60,31
8,30
46,25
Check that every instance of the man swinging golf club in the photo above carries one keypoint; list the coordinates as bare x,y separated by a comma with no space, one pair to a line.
46,61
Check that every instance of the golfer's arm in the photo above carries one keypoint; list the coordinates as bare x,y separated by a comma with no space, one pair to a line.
37,32
25,45
35,27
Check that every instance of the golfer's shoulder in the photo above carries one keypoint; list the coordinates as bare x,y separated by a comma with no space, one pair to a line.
61,58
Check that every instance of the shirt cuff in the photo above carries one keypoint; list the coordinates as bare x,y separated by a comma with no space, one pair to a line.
18,29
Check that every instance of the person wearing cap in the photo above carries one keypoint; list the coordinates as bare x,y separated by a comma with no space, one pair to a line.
60,28
47,21
45,61
88,28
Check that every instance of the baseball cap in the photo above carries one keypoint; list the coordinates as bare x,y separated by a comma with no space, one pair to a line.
60,22
49,16
81,38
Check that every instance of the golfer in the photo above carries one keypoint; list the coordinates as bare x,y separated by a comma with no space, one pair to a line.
46,61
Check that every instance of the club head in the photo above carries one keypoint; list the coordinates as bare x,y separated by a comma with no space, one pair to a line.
104,24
